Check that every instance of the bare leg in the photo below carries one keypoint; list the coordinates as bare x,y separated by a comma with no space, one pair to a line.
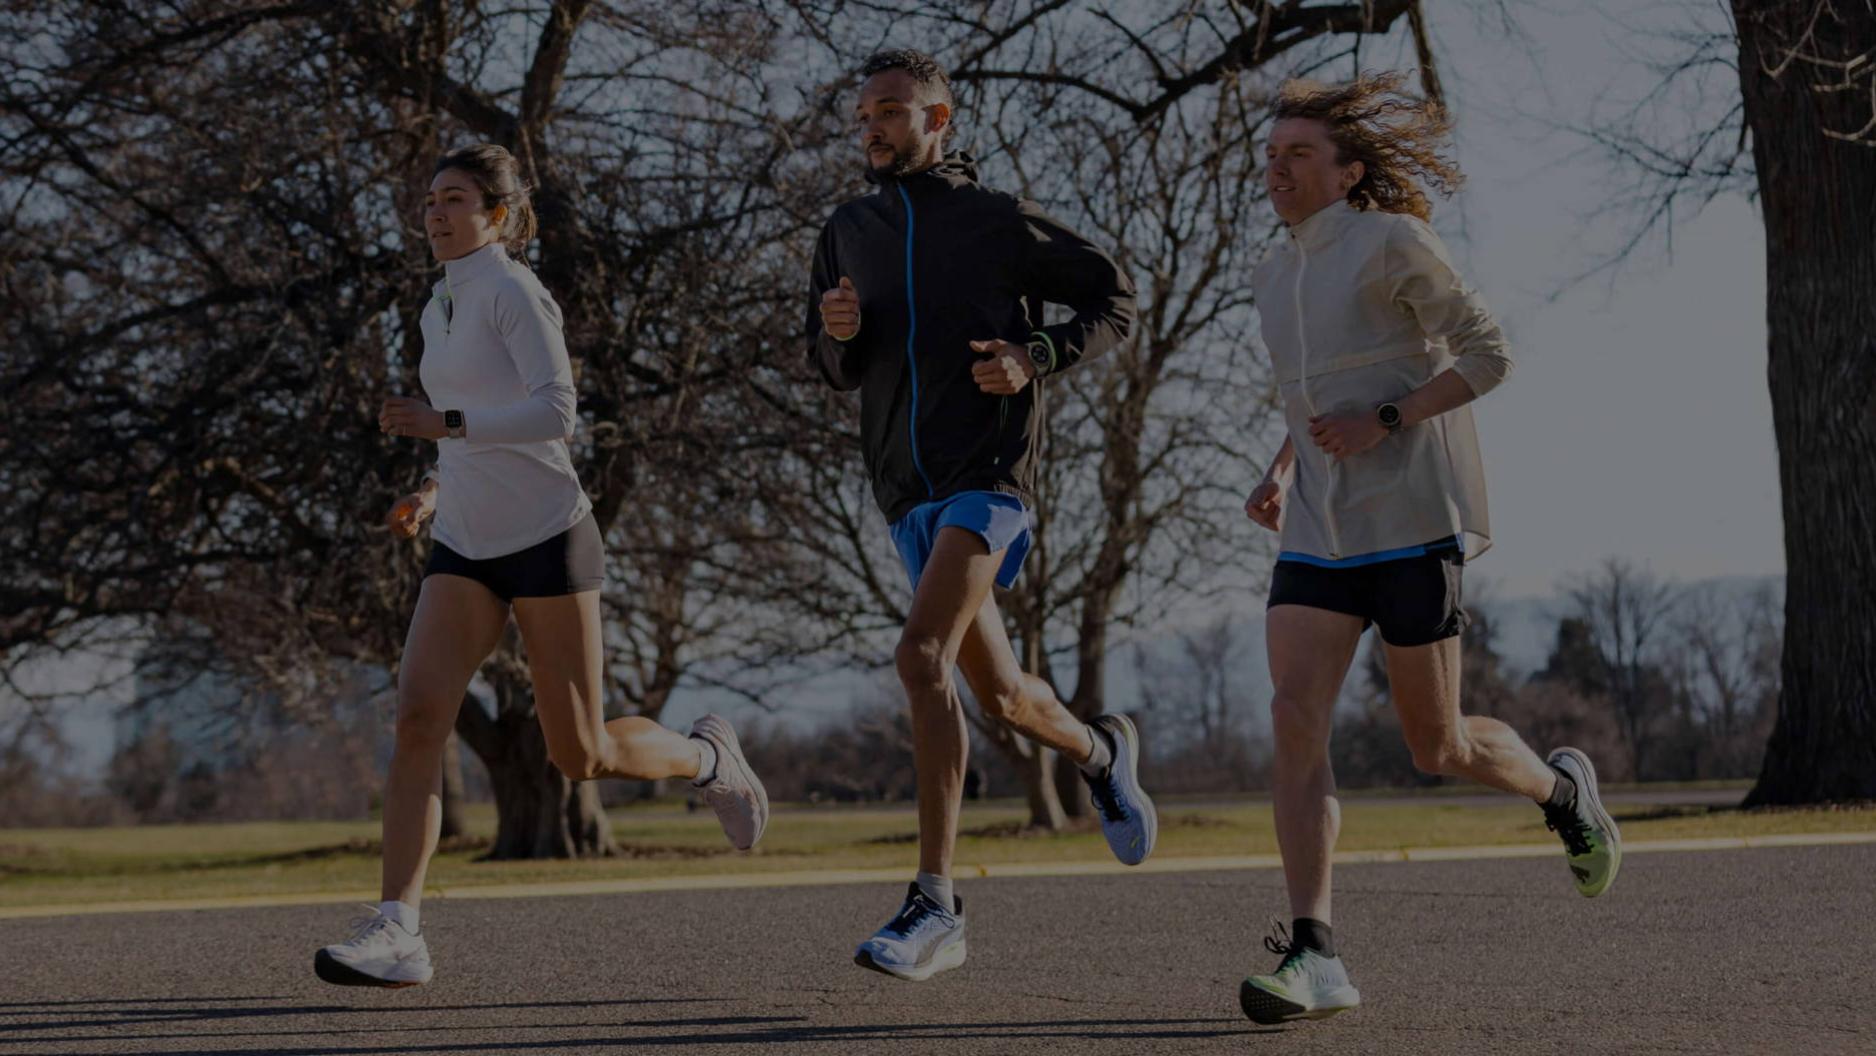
455,627
1310,650
1424,681
565,651
951,592
1007,692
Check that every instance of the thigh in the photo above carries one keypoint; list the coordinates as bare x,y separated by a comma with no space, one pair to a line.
1424,682
566,653
985,655
1310,651
457,624
953,588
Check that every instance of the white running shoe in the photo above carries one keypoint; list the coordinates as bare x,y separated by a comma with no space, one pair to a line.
1306,985
923,940
735,793
1128,818
379,953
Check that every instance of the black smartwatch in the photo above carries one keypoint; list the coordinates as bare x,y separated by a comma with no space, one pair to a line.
1389,416
452,422
1039,355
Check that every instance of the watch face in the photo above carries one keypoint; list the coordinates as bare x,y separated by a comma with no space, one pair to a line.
1390,415
452,419
1039,354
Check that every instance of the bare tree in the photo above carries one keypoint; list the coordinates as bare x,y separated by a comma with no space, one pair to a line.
1798,135
1626,615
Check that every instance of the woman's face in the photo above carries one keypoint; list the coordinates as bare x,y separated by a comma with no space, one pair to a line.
1300,169
454,219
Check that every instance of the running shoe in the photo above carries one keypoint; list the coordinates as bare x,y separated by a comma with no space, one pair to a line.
735,793
923,940
1128,818
379,953
1306,985
1589,834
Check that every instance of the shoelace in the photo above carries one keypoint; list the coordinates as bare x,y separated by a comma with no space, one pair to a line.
1570,825
915,912
1280,943
364,927
1106,794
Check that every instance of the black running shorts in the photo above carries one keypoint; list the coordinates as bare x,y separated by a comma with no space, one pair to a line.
1413,600
570,563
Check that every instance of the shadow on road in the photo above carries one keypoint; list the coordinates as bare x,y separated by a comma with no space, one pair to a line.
780,1032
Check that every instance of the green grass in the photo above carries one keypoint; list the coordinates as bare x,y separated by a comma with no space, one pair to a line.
47,866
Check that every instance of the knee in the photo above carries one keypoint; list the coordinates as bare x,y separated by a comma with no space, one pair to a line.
423,720
1001,700
922,663
576,761
1439,752
1300,728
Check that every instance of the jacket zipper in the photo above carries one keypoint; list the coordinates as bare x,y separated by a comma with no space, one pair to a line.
911,334
1302,340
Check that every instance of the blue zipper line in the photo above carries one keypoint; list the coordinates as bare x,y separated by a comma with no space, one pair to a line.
911,305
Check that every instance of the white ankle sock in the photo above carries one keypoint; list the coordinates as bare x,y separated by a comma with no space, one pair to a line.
1103,756
403,912
938,889
707,768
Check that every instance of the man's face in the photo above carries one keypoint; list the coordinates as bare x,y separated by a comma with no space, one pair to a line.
901,128
1300,169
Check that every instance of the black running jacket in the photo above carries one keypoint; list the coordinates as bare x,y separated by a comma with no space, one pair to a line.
940,261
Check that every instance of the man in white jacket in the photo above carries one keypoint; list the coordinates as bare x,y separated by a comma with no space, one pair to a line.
1379,495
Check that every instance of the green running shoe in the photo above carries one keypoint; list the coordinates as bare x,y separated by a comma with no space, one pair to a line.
1589,833
1306,985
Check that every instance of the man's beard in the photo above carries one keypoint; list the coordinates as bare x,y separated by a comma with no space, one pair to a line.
904,160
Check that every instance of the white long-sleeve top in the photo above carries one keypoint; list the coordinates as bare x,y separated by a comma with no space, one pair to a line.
492,349
1359,309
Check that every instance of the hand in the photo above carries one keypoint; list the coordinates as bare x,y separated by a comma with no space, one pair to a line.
405,416
1346,435
1007,369
1265,505
840,311
409,512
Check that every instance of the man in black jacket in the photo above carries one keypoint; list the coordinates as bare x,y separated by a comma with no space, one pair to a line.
927,297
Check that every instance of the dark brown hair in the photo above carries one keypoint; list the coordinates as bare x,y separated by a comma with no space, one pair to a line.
1400,139
498,176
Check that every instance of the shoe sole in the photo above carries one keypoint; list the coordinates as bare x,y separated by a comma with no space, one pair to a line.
338,973
729,749
1267,1009
1588,770
945,961
1129,738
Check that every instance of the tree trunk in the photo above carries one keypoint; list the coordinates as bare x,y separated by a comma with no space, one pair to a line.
452,788
1034,765
1818,194
538,812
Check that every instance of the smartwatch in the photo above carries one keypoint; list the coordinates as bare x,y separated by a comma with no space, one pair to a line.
453,423
1389,416
1040,356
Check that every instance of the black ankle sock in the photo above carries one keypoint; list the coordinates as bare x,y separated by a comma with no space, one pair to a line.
1309,934
1563,797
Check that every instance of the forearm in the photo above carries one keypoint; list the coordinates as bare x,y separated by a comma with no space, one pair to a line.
1285,461
1447,391
537,418
840,361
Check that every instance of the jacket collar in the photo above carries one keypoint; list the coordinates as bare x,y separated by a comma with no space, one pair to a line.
1323,226
471,266
954,170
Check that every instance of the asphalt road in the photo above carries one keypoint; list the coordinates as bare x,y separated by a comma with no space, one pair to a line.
1737,952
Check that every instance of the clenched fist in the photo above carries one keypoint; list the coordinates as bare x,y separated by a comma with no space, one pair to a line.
840,311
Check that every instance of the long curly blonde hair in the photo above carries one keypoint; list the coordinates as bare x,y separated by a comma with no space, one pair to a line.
1399,138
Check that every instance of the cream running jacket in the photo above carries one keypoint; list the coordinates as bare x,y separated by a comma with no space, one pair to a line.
1360,308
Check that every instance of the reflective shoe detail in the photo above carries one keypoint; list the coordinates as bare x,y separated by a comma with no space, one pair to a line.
1589,834
921,941
1128,819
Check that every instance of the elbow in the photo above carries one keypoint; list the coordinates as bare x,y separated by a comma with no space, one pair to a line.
1484,372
